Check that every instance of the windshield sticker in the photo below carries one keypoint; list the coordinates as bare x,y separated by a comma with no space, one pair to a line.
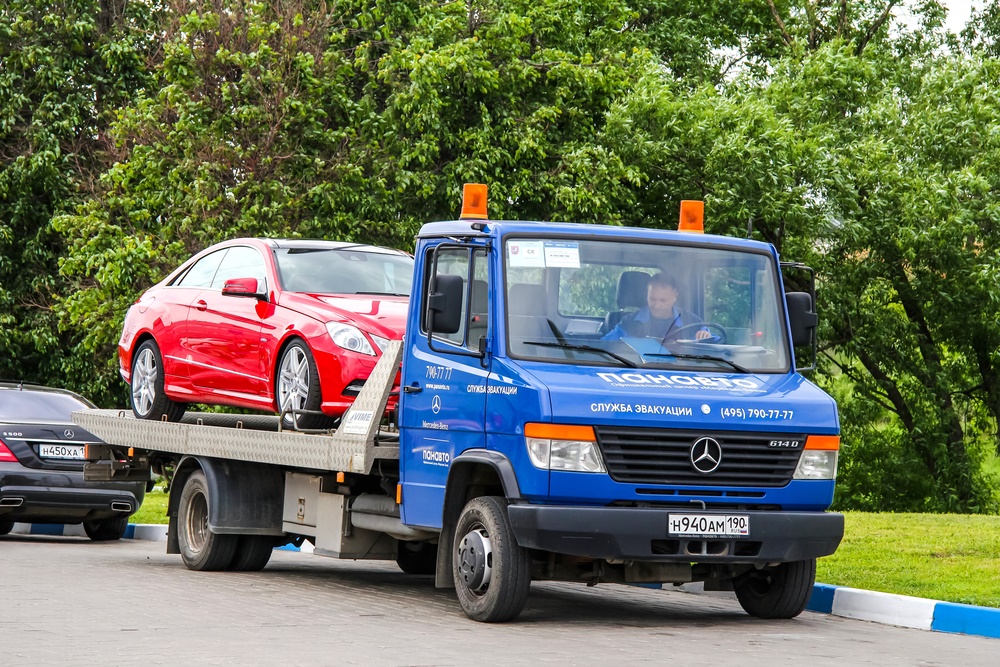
695,381
562,254
526,254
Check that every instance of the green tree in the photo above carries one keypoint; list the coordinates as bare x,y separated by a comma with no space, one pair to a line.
64,69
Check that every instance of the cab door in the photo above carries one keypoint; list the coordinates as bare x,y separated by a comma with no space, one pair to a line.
443,395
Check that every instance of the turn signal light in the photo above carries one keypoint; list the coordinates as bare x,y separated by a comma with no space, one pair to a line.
828,442
474,201
692,216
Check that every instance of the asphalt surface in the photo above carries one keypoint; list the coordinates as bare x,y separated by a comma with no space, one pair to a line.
68,601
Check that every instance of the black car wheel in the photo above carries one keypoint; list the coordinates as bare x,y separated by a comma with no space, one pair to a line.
148,399
106,530
6,527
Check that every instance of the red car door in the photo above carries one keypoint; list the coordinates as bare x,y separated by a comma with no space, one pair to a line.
223,332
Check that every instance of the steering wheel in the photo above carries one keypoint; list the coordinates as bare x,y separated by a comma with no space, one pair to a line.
717,329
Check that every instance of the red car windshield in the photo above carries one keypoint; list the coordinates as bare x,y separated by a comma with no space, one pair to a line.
344,271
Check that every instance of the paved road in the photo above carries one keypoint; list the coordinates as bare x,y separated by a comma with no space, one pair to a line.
67,601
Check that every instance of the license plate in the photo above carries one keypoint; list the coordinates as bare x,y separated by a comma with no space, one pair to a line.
60,451
708,525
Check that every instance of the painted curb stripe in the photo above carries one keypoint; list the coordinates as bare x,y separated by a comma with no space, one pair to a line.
966,619
822,599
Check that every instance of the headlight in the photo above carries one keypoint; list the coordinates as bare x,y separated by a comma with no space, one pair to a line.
349,338
563,447
819,460
380,342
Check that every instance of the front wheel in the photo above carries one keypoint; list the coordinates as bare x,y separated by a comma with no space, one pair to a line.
148,399
6,527
106,530
297,388
201,549
492,572
782,591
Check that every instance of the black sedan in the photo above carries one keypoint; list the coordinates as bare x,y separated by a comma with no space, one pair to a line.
41,466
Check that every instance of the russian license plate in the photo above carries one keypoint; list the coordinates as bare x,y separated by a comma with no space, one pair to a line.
708,525
60,451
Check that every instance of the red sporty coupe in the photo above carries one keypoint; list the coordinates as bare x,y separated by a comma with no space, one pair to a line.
277,325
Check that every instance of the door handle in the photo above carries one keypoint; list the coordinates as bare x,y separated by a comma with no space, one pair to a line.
201,305
414,388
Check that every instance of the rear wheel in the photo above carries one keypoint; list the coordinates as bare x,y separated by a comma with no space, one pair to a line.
782,591
6,527
106,530
416,557
492,572
297,388
201,549
148,399
252,553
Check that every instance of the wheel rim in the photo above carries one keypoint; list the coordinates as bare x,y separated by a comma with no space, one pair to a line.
293,380
144,374
475,560
196,525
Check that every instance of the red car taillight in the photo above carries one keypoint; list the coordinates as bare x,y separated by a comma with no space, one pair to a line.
6,456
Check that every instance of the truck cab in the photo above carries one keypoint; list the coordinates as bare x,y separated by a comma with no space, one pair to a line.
607,449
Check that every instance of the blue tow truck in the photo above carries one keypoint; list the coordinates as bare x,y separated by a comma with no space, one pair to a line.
545,429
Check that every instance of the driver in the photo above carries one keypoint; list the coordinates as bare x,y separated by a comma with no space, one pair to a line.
661,317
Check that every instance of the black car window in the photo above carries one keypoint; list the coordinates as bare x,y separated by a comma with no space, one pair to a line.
240,262
201,274
38,406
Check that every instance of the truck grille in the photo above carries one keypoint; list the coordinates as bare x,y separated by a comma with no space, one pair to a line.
663,456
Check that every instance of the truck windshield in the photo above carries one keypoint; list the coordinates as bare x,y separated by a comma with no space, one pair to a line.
621,303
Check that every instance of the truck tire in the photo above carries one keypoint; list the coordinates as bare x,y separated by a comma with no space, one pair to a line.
201,549
296,386
492,572
252,553
106,530
6,527
146,386
776,592
416,557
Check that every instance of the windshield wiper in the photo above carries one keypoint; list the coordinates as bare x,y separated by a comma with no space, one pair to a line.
382,293
702,357
582,348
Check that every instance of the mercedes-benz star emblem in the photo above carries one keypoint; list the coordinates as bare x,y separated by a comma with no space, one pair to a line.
706,455
69,434
436,404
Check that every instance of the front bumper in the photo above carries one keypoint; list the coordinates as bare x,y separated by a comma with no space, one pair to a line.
641,534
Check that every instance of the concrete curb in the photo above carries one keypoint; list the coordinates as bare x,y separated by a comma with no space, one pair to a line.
885,608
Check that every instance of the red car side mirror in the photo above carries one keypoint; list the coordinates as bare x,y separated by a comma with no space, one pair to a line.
241,287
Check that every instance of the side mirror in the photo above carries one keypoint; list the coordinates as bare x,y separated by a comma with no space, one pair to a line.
246,287
444,304
801,317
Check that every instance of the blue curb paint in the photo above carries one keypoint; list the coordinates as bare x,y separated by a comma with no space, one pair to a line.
822,598
966,619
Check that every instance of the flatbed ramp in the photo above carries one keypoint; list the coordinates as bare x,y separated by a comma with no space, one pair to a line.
355,446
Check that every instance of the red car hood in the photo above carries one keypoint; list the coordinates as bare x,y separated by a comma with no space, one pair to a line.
383,315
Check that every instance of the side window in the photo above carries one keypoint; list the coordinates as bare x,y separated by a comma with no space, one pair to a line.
201,274
472,266
240,262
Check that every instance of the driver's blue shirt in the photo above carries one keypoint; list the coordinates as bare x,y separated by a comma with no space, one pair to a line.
642,324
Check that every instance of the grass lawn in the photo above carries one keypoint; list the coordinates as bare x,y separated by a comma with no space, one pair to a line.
154,508
948,557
